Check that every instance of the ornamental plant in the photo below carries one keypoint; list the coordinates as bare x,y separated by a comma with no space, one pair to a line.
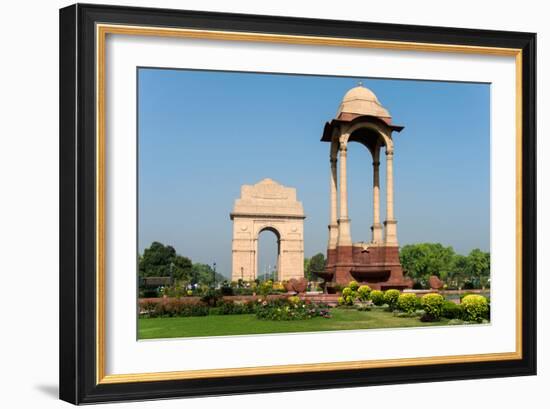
294,300
408,302
451,310
265,287
475,308
377,297
353,285
391,297
279,287
348,296
433,306
363,292
283,310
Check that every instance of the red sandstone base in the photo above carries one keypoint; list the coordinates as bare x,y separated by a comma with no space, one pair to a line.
378,267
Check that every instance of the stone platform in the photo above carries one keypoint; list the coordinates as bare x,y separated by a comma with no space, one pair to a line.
377,266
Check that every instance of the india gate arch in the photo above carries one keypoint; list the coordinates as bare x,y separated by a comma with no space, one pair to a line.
267,205
361,118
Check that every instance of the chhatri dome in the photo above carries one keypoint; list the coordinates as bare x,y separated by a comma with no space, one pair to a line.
362,101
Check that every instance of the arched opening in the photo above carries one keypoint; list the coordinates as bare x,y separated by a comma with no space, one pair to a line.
365,184
269,254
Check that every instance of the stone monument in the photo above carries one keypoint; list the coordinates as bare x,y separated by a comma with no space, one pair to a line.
362,118
268,205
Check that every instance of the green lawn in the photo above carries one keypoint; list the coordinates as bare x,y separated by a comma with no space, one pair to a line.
212,325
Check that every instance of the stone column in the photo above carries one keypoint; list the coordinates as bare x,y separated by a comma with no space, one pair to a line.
254,268
344,235
376,225
333,224
390,223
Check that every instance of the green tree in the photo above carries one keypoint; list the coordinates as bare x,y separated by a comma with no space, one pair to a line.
317,262
161,261
313,265
459,271
478,265
307,268
182,268
420,261
204,273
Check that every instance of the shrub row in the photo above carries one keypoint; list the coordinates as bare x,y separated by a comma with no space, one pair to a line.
173,309
473,307
353,293
292,308
177,308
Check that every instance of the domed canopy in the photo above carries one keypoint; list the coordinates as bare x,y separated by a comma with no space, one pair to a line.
362,101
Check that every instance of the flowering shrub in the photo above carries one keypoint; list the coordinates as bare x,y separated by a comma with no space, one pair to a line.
175,308
408,302
433,306
475,308
284,310
349,296
266,287
391,297
354,292
294,300
363,292
353,285
279,287
179,308
377,297
232,308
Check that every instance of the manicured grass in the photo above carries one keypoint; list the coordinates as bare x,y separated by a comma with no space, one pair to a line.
212,325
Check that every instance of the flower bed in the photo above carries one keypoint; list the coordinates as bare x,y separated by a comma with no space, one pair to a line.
290,309
273,307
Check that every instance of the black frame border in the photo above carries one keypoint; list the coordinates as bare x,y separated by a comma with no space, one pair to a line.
78,197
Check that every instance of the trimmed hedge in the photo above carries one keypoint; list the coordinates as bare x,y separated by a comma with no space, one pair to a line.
408,302
391,297
353,285
451,310
433,306
475,308
354,292
377,297
363,292
348,296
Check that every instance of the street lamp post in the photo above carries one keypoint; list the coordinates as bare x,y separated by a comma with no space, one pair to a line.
214,276
172,273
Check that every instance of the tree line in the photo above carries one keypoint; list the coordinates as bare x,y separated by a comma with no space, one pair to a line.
419,261
159,260
422,260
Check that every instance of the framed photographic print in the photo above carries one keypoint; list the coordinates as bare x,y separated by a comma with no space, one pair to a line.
257,203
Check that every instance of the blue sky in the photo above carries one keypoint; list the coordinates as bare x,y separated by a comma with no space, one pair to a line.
203,134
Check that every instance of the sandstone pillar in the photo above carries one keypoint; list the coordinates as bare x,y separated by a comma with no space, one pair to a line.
344,235
390,223
376,225
333,224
